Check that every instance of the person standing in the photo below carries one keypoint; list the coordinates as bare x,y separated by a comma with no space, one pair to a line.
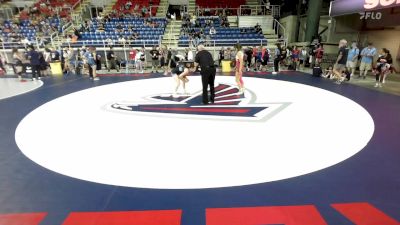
140,60
303,58
221,55
206,62
34,58
295,57
249,54
352,58
112,63
132,57
90,59
169,56
367,55
155,55
319,53
17,62
239,68
277,58
340,65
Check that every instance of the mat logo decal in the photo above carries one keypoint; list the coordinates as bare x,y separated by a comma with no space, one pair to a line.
229,104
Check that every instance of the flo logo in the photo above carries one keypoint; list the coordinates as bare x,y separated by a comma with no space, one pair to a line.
229,104
370,15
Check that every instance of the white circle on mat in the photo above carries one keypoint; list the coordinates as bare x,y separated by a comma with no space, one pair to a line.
86,141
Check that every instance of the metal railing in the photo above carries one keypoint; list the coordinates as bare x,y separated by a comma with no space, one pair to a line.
280,30
276,11
8,12
216,11
66,27
159,8
243,10
254,10
53,36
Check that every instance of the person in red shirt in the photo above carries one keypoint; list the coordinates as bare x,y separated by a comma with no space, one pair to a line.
319,53
295,57
132,56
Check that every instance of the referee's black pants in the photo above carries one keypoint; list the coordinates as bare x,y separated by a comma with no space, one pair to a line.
208,78
276,65
35,71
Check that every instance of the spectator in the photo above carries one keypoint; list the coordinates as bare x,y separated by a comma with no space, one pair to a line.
68,54
140,60
110,42
383,67
221,55
132,57
295,57
128,5
249,57
264,59
144,11
112,60
169,56
90,61
328,73
341,60
319,53
34,58
303,57
367,55
25,41
284,53
55,55
352,58
155,55
162,59
121,41
119,28
213,31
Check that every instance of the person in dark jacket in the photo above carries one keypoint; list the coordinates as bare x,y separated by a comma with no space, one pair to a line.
34,58
206,62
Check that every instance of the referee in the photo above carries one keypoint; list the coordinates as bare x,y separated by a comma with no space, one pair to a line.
208,70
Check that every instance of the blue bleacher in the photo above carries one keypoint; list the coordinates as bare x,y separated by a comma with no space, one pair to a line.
148,34
225,36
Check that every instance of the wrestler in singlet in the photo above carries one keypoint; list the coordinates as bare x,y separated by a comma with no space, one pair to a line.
239,68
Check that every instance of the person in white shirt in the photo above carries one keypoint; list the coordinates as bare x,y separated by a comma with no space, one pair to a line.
25,41
122,41
140,60
213,31
109,42
190,55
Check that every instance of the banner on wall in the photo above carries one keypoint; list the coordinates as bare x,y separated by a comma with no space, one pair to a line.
345,7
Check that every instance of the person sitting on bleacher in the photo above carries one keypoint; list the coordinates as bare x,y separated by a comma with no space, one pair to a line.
213,31
128,5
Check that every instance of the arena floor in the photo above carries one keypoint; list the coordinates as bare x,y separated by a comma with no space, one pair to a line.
294,150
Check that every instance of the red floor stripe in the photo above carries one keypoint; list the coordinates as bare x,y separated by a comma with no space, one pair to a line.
212,110
364,214
22,218
156,217
288,215
124,75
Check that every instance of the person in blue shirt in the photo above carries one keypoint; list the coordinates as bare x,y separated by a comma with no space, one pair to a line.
34,58
352,58
90,59
367,55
